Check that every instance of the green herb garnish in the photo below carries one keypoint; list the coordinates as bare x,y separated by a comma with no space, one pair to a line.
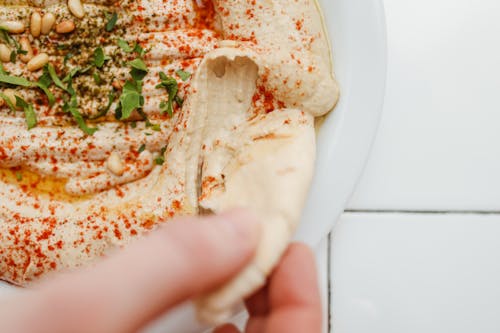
99,57
138,64
29,112
123,44
183,74
15,80
172,87
131,98
112,22
141,148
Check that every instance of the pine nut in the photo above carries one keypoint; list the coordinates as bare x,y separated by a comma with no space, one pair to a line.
11,95
36,24
65,27
76,8
5,52
38,62
48,21
115,164
25,44
14,27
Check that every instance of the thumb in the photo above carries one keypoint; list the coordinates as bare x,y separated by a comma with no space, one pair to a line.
181,260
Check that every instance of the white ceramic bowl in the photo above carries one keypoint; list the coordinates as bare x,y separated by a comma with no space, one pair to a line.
357,31
358,36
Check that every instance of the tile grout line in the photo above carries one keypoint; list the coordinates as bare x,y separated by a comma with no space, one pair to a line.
424,212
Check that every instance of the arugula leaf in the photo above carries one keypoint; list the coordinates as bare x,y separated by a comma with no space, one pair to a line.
112,22
123,44
183,74
15,80
29,112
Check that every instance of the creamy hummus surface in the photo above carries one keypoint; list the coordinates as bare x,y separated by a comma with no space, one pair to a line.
117,116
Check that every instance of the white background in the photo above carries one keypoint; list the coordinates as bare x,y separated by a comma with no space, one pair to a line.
419,248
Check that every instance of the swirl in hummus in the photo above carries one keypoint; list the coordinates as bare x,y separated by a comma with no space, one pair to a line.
119,115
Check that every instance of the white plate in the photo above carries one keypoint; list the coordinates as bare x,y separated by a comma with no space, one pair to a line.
357,31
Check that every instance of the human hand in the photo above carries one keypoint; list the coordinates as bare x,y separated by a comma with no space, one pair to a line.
290,302
126,291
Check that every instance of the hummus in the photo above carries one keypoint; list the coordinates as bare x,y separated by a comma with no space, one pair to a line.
141,111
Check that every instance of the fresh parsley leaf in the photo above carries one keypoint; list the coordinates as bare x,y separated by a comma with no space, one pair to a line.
29,112
129,102
130,99
48,93
57,81
67,57
81,122
160,160
141,148
123,44
103,112
99,57
139,50
15,80
8,102
183,74
138,64
172,87
97,79
112,22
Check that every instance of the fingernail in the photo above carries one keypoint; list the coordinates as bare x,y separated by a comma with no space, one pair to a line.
243,223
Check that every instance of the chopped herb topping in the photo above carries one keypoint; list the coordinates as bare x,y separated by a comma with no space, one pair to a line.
141,148
160,160
15,80
99,57
123,44
172,87
131,98
29,112
112,22
183,75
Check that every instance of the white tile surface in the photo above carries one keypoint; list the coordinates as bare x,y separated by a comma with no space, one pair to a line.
438,144
394,273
